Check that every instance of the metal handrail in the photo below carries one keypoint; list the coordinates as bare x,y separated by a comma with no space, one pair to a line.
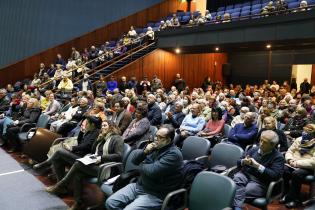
95,59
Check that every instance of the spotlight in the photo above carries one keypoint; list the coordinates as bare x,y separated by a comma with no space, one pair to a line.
217,49
177,50
268,46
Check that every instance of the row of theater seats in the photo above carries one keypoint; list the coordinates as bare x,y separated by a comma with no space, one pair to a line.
194,148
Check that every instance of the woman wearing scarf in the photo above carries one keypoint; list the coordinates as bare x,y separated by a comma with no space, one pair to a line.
300,160
108,148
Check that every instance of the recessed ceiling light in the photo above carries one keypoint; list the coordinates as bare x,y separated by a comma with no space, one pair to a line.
268,46
217,49
177,50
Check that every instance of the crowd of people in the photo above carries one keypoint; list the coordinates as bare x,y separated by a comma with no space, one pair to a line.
276,118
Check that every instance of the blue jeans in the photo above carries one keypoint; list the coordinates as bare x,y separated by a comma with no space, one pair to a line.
133,197
4,125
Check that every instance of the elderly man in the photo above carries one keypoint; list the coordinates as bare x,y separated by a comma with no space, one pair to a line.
160,169
53,106
154,112
240,118
300,159
258,167
244,134
192,124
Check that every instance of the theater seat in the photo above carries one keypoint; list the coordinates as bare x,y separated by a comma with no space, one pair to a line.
274,192
293,5
220,9
208,191
26,134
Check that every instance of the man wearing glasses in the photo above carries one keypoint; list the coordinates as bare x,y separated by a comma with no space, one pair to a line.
160,173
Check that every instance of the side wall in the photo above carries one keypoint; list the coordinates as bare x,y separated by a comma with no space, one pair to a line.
192,67
254,67
29,27
27,67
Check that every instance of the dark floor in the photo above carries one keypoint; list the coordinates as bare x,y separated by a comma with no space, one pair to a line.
93,194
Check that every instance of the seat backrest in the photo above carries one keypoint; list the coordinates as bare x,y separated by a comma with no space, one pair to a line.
194,147
220,9
211,191
42,121
292,5
127,150
225,154
226,129
152,131
129,164
229,7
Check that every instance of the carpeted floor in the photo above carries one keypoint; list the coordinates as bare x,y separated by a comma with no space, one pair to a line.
20,190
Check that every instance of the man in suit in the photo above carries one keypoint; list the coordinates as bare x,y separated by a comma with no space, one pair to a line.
121,116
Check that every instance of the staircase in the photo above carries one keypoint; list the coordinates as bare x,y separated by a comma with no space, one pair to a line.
117,63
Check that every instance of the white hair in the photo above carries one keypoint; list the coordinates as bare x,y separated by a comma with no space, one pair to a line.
271,135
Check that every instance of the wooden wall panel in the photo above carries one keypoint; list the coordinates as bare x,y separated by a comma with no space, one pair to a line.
27,67
193,67
313,75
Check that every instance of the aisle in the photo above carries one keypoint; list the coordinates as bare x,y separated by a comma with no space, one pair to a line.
21,190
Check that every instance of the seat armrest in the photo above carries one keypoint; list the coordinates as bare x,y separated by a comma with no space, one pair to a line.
271,188
26,126
106,166
173,193
142,144
231,171
202,159
58,140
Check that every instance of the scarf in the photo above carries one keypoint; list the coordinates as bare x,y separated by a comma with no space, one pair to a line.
307,143
107,138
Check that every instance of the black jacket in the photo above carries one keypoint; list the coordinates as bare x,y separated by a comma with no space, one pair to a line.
29,116
154,114
85,142
115,149
176,120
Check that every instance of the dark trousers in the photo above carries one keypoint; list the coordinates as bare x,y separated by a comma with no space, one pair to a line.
60,159
66,128
246,189
75,175
13,138
296,176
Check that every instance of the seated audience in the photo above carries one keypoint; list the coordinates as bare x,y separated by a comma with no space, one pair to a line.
160,173
244,134
240,118
65,84
138,129
257,168
121,116
30,115
154,111
53,106
191,124
270,124
300,162
294,126
112,84
176,117
108,147
214,127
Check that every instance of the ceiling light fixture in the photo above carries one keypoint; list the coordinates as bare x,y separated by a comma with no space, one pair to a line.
177,50
268,46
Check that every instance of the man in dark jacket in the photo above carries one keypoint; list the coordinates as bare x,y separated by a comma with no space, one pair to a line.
68,155
305,87
4,101
154,113
175,118
179,83
160,173
258,168
76,118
